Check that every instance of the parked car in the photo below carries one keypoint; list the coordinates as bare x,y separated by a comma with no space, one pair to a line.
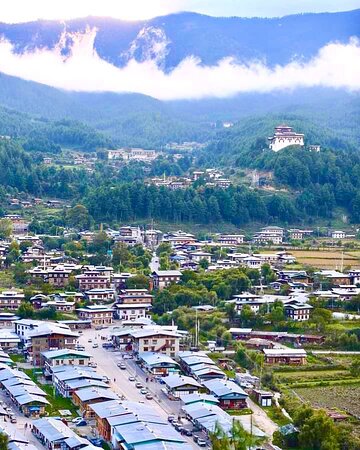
121,366
144,391
95,345
89,341
106,379
108,345
80,348
201,442
92,364
96,441
188,432
139,385
171,418
149,396
132,378
13,419
128,356
77,419
81,423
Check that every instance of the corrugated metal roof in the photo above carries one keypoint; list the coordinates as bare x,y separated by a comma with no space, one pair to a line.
94,393
221,388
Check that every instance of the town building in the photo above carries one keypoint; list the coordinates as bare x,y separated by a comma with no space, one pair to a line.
48,336
338,234
271,234
158,364
68,378
231,239
263,398
7,319
53,358
229,394
290,356
156,340
283,137
98,314
100,295
127,311
83,398
11,299
180,385
164,278
297,311
55,435
93,279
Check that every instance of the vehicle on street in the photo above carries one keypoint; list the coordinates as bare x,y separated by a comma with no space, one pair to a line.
127,356
132,378
81,423
188,432
13,419
107,345
80,332
139,385
179,427
80,348
171,418
96,441
95,345
121,366
144,391
99,327
89,341
106,379
201,442
92,364
149,396
77,419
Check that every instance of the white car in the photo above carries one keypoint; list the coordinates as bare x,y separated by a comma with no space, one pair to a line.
77,419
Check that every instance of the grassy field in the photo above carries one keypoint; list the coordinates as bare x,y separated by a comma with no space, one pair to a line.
327,259
346,398
320,375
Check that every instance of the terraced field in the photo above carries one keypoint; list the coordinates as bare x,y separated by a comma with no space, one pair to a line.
346,398
327,259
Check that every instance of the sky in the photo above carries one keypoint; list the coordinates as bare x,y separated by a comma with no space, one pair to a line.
28,10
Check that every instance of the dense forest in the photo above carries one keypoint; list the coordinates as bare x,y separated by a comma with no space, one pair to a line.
319,183
46,136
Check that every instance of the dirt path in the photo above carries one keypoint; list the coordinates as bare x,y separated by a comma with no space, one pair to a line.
261,419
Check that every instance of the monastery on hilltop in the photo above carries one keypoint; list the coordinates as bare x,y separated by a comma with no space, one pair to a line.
284,136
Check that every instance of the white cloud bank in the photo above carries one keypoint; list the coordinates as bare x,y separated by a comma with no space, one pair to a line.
336,65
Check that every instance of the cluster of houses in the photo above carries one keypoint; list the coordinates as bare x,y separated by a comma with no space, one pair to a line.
125,424
134,154
211,177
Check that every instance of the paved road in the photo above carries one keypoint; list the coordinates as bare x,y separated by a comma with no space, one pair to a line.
154,263
334,352
107,361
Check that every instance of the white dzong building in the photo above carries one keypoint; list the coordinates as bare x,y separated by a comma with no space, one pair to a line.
284,136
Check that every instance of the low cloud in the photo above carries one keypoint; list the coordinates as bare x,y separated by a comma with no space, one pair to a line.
336,65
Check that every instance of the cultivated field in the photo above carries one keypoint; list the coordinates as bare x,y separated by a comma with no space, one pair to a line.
327,259
346,398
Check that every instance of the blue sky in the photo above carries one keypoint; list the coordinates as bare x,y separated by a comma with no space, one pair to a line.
26,10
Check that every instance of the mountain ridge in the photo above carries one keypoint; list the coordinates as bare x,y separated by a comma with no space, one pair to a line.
208,38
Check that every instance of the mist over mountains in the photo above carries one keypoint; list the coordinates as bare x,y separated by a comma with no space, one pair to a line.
187,55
